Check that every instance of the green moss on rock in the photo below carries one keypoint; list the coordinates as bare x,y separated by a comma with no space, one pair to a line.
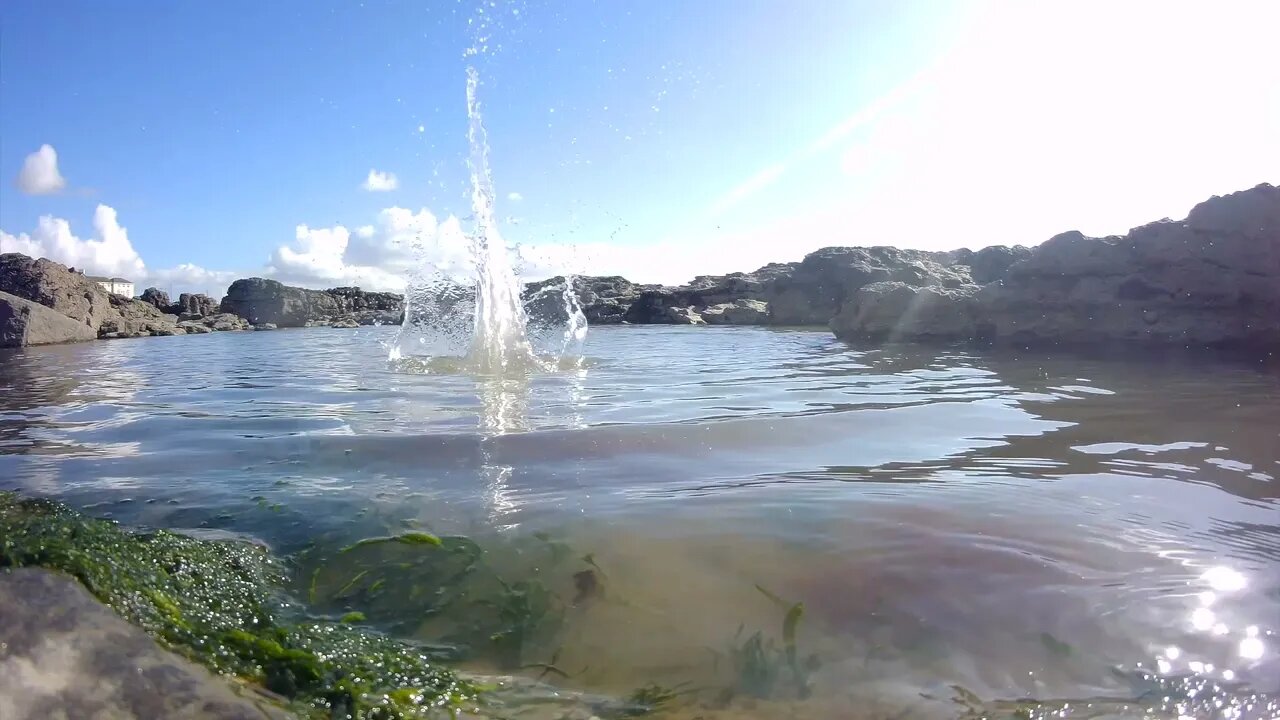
221,604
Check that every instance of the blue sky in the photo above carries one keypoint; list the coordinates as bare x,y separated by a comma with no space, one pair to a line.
196,142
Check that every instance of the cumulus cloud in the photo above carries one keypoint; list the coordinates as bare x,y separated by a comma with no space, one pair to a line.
515,197
109,253
379,181
383,256
39,174
188,277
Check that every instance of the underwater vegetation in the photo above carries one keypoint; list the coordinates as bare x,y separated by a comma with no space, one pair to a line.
221,603
387,619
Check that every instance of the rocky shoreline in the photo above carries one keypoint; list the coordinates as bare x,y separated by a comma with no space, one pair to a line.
1212,280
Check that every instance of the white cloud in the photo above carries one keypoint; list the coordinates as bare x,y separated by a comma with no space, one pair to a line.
110,253
39,174
382,256
515,197
188,277
379,181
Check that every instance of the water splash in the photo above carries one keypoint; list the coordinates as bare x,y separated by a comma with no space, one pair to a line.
480,324
499,339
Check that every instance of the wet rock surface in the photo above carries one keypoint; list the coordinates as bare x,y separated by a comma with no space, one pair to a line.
65,655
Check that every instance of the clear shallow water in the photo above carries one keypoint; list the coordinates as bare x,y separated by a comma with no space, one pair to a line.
1018,526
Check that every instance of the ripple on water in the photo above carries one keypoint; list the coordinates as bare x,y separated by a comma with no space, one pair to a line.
1020,526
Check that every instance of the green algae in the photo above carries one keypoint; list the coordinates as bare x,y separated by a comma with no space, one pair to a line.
221,603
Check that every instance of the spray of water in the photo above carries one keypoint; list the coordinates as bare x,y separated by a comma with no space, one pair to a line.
480,324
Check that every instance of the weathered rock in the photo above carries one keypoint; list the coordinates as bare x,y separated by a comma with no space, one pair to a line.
739,312
378,317
23,322
818,286
265,326
195,305
344,322
191,327
1212,279
157,298
684,316
51,284
897,311
135,318
64,655
990,263
268,301
225,322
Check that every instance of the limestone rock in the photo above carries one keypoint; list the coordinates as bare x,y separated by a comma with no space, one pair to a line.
23,323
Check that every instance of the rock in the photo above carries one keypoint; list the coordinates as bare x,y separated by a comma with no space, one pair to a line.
64,655
739,312
225,322
157,298
379,317
1212,279
817,287
265,326
990,263
51,284
344,322
23,323
135,318
259,300
897,311
69,293
194,328
195,305
684,316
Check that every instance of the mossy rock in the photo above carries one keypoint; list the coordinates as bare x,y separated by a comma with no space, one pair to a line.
221,604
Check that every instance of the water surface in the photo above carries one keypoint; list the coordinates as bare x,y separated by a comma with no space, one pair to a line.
1019,525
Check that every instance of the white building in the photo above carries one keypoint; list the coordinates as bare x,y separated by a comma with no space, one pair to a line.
115,285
